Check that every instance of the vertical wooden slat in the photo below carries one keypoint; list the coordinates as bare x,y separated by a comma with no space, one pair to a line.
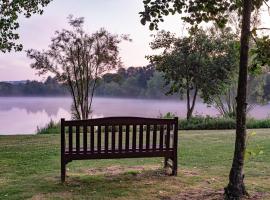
77,139
70,139
113,138
134,137
168,136
106,139
147,137
155,137
63,138
84,138
127,138
92,130
175,148
141,138
161,135
99,139
120,141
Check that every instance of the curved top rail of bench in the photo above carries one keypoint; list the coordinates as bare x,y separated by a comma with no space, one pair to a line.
118,121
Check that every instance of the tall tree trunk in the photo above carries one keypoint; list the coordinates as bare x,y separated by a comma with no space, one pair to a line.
236,187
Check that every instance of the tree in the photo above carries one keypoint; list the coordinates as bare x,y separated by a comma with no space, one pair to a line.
155,86
226,103
195,12
78,59
9,13
188,62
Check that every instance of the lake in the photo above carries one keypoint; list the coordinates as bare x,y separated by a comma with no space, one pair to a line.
22,115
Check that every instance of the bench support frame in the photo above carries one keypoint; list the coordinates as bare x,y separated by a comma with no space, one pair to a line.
166,150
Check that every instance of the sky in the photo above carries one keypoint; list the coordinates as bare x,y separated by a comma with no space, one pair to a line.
117,16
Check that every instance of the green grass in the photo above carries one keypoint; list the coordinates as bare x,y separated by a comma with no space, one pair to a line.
29,169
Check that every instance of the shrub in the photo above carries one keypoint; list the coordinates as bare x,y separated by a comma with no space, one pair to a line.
50,128
216,123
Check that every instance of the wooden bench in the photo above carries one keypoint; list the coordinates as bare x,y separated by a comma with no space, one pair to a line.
119,137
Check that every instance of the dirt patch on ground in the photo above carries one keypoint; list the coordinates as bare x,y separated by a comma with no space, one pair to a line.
58,195
208,194
189,172
117,169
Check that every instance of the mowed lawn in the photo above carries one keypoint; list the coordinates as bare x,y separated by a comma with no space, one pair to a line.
30,169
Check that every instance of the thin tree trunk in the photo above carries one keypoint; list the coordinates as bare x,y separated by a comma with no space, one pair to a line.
236,187
188,104
190,108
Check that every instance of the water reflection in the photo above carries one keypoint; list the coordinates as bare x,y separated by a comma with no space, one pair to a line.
22,115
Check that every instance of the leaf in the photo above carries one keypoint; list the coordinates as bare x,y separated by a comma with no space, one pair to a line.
151,26
143,21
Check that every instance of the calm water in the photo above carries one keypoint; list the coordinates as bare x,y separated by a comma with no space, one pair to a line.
22,115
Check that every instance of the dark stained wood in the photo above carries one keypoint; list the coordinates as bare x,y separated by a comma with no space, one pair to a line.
141,138
106,139
147,137
134,137
120,141
154,137
113,138
127,138
77,139
92,130
84,138
116,121
126,148
161,136
99,139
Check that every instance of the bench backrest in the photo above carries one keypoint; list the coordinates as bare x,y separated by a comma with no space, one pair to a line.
118,135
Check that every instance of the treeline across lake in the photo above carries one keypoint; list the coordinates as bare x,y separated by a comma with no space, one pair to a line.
134,82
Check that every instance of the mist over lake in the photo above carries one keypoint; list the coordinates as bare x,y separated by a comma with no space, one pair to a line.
22,115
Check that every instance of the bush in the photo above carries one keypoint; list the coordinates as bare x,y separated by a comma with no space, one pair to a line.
206,123
216,123
50,128
195,123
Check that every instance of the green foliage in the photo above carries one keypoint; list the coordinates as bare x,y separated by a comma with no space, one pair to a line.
260,55
252,152
9,23
193,12
206,123
188,62
216,123
50,128
78,59
168,115
33,88
136,82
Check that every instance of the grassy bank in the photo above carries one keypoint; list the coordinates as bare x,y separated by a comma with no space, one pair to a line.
195,123
30,170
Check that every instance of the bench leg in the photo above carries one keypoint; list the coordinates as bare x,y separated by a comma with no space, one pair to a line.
166,159
63,171
174,170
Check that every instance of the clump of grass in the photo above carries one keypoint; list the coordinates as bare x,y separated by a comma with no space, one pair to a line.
51,128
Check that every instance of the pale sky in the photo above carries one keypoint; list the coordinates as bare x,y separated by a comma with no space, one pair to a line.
117,16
